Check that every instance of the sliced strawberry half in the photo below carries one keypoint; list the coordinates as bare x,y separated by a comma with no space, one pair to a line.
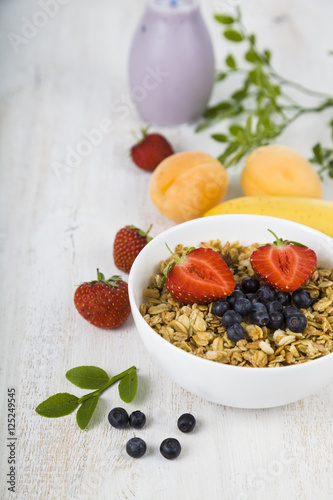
200,277
286,265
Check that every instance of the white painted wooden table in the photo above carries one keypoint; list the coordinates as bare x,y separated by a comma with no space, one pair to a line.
60,82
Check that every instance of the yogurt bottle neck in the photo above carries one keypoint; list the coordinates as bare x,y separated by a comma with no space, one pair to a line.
173,6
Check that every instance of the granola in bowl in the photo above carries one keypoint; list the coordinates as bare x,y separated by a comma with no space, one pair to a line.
195,329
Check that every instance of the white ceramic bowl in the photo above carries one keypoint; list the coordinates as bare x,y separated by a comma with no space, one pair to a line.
241,387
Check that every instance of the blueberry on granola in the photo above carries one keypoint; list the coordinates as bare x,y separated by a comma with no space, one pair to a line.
289,310
237,294
266,293
250,285
301,298
275,305
220,307
296,322
251,296
243,306
231,317
235,332
276,320
258,306
283,297
260,318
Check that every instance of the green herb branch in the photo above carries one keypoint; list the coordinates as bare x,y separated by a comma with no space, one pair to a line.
261,105
88,377
323,157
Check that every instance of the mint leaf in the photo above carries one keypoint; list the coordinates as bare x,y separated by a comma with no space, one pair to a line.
221,18
87,377
91,377
220,137
252,56
317,151
233,36
128,386
221,76
86,411
59,405
230,61
236,129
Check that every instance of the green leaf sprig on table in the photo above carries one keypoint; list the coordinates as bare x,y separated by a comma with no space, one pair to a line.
261,108
88,377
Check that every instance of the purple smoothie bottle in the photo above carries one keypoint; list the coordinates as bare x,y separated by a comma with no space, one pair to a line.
171,63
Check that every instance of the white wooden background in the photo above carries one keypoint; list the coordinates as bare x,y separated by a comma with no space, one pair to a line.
58,226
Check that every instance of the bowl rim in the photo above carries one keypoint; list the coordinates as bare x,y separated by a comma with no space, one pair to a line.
226,366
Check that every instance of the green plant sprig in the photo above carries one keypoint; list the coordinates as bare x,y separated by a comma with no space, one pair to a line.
88,377
323,157
261,105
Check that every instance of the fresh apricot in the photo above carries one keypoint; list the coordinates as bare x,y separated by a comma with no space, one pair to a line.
185,185
279,171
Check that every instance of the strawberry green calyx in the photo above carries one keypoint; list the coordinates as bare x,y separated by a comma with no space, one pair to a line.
142,233
144,132
113,281
279,242
140,139
172,263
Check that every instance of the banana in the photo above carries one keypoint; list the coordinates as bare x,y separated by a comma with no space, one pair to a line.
311,212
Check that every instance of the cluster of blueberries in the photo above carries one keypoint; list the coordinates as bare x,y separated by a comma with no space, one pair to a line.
261,305
136,447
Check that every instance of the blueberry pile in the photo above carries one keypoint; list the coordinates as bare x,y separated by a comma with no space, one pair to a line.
136,447
261,305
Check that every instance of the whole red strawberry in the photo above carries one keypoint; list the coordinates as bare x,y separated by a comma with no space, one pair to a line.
150,151
104,303
128,243
285,265
200,277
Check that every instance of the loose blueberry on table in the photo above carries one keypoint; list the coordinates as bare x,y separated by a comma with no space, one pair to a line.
137,419
136,447
170,448
118,418
186,422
